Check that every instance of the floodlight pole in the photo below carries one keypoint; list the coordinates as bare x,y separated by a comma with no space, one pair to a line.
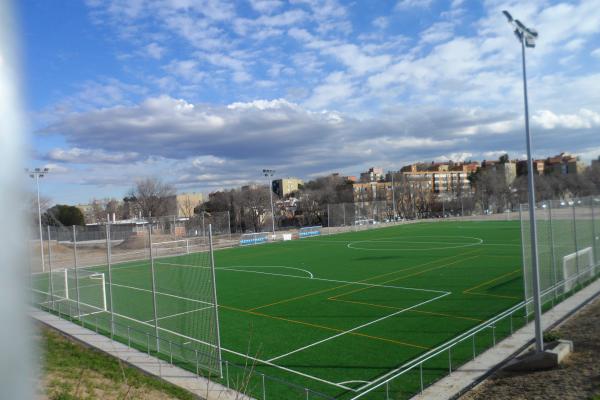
269,174
526,36
38,173
393,198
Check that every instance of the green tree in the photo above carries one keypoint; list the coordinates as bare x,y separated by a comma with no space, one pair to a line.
65,215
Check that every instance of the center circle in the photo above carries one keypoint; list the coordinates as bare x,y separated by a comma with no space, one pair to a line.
415,243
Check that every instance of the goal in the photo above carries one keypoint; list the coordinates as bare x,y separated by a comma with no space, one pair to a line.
578,266
91,285
309,231
179,247
253,238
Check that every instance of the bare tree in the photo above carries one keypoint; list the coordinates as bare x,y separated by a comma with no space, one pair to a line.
152,196
254,203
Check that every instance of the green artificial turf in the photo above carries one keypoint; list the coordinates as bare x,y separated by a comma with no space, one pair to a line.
335,311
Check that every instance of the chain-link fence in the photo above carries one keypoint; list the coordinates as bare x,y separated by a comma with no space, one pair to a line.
128,284
568,247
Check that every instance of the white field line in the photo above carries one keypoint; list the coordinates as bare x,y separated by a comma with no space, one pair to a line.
181,313
359,327
60,298
161,293
353,381
232,268
289,370
191,339
239,266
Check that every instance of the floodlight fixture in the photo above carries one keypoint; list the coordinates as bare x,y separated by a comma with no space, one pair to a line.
36,174
269,174
526,37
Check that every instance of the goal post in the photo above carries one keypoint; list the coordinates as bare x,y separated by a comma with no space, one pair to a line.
91,286
576,267
253,238
309,231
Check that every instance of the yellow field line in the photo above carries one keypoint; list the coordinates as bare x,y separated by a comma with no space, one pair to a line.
491,280
324,327
349,284
408,276
501,296
413,310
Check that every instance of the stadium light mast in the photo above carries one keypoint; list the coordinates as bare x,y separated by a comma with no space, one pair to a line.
36,174
269,174
527,36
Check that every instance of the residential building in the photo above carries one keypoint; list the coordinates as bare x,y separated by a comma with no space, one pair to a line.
372,175
563,164
182,205
285,186
365,192
538,167
440,181
508,170
596,163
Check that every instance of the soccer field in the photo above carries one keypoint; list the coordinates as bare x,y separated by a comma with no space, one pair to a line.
336,313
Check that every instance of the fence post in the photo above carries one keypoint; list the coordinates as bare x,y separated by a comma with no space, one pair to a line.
50,270
494,335
214,297
76,271
387,390
421,376
554,267
148,342
450,360
128,337
474,349
264,390
171,352
576,246
227,373
197,369
594,246
110,288
154,309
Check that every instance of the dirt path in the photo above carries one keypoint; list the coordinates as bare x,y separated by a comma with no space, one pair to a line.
578,378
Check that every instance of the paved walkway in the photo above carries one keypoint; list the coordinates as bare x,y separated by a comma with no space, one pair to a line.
472,372
201,387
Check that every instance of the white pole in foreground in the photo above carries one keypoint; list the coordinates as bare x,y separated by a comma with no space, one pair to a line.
527,38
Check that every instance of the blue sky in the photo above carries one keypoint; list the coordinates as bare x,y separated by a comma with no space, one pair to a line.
205,93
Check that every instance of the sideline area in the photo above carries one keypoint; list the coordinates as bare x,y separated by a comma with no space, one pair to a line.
474,372
199,386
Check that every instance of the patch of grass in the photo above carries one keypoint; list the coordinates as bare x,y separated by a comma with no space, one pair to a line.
73,371
551,336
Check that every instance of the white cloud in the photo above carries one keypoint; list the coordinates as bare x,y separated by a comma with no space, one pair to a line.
406,4
381,22
584,119
89,156
595,53
438,32
154,50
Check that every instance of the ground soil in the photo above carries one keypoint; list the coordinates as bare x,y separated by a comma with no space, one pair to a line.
577,378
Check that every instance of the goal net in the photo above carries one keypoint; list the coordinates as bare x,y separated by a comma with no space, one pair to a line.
577,267
84,288
253,238
179,247
309,231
